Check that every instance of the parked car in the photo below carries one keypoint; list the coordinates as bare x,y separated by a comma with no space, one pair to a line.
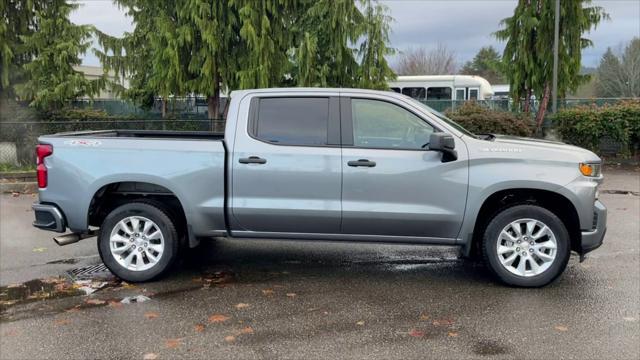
323,164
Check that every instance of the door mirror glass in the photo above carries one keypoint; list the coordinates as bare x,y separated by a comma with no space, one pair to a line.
443,142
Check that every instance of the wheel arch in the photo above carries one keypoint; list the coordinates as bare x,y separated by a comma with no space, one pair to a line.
501,199
111,194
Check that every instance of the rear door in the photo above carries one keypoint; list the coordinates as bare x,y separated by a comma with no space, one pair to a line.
392,185
286,166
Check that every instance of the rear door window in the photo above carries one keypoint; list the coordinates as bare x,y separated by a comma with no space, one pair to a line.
293,121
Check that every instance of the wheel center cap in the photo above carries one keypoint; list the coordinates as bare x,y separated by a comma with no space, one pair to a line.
524,245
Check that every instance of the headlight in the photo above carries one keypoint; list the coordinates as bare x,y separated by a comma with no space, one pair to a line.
590,169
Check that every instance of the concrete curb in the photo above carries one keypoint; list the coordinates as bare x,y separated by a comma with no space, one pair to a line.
19,187
17,176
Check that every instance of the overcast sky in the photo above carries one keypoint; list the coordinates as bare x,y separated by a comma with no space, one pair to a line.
462,25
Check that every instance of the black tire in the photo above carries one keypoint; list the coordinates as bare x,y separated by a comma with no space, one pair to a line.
504,218
165,224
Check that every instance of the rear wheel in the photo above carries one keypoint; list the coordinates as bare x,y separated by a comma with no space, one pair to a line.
138,241
526,245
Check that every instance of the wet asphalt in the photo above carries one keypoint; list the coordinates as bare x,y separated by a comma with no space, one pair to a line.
255,299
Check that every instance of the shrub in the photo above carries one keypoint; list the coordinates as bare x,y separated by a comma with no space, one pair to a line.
588,125
479,120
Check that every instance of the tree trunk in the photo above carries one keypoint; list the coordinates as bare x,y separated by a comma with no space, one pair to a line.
164,107
213,106
527,101
544,103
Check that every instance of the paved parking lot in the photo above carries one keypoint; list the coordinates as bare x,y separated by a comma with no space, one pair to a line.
279,299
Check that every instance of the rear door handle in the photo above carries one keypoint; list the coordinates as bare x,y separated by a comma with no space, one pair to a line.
361,162
253,160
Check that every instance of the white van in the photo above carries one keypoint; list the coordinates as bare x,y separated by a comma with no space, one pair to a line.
443,87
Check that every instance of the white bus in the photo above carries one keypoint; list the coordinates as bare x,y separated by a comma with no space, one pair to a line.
443,87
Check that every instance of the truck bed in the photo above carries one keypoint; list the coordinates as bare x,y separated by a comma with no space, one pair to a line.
187,164
152,134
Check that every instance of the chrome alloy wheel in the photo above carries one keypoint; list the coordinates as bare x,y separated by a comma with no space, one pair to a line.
136,243
526,247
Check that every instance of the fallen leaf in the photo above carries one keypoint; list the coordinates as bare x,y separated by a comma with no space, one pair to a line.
12,332
267,292
452,334
95,301
360,323
115,304
416,333
291,295
15,194
442,322
40,249
230,338
73,309
424,317
150,356
151,315
241,306
246,330
199,327
218,318
126,285
561,328
173,343
629,318
63,322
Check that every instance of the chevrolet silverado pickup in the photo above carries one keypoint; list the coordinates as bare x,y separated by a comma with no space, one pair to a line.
323,164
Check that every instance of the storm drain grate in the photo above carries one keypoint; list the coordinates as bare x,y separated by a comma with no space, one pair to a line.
92,272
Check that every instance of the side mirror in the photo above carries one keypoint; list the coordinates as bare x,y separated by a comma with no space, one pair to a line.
443,142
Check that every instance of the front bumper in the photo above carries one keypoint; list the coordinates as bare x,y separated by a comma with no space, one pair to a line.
593,238
48,217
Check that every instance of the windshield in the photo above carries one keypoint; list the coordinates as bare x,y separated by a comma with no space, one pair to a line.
442,117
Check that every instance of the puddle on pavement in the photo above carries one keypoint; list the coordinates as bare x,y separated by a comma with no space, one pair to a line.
34,290
488,347
63,261
621,192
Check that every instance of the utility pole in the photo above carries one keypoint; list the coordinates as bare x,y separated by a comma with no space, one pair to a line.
556,40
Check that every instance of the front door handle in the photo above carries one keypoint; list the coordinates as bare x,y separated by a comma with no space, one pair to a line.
362,162
253,160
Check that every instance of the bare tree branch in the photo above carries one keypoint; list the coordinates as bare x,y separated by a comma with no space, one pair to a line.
438,61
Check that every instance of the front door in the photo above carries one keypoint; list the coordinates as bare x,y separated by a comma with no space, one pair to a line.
286,167
391,185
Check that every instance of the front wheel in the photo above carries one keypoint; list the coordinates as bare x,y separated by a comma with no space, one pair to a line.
526,245
138,242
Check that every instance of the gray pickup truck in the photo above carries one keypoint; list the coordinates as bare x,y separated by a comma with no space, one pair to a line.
323,164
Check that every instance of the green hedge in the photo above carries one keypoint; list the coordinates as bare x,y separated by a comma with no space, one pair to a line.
588,126
479,120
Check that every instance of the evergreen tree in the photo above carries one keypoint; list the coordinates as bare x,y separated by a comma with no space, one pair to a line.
620,76
51,49
375,71
528,54
203,47
324,53
486,64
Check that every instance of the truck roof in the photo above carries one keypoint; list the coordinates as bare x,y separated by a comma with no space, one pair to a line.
294,90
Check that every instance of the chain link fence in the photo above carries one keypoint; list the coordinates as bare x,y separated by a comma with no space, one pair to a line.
18,139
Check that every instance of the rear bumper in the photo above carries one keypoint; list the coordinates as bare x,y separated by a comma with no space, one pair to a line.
592,239
48,217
